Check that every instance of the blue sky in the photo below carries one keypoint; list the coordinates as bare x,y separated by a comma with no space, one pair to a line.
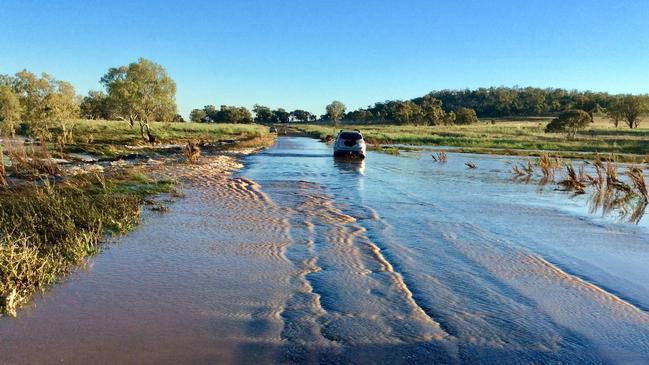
304,54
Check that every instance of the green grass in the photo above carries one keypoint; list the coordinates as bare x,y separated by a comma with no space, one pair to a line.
503,137
109,138
45,230
119,132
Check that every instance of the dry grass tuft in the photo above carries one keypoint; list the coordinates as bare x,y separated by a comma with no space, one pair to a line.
192,152
599,180
612,179
611,173
517,171
637,178
523,169
548,165
575,179
440,157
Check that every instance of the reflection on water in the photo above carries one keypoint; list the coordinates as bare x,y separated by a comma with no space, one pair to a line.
306,259
628,207
350,165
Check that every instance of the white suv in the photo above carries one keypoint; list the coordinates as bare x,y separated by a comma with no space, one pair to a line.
349,144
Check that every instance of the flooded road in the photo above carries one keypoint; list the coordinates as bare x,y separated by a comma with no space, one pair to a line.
304,259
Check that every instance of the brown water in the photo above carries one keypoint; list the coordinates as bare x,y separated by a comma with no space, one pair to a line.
303,259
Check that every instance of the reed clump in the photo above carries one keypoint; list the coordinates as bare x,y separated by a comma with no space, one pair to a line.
471,165
548,165
575,179
523,169
599,180
629,198
628,195
637,179
440,157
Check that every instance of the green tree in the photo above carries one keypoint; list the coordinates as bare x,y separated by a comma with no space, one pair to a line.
197,115
407,112
335,111
280,116
432,111
233,114
465,116
569,122
31,91
449,118
142,92
178,119
633,108
47,105
263,114
61,107
615,111
9,111
96,106
301,115
211,112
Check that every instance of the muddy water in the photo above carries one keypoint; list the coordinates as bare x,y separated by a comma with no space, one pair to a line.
303,259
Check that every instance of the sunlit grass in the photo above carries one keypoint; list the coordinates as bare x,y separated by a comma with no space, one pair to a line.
46,229
505,135
119,132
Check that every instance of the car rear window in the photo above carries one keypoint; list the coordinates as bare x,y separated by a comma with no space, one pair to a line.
350,135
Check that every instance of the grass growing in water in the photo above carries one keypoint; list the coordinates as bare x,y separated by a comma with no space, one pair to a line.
440,157
609,192
45,230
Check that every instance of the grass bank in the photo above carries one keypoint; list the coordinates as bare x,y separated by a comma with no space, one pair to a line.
526,137
50,219
108,138
45,229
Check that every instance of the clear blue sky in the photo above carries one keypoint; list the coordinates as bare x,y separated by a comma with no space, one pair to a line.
303,54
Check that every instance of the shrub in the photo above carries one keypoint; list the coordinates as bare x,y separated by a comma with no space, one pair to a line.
569,123
465,116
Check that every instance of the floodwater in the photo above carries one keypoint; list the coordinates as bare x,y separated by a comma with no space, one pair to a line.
304,259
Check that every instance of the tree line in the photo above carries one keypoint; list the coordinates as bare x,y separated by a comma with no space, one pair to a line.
240,114
426,110
459,106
